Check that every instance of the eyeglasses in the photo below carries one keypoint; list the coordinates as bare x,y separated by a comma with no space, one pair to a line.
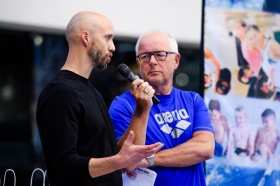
159,56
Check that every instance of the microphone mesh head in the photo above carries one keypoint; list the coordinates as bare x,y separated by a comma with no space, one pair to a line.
124,70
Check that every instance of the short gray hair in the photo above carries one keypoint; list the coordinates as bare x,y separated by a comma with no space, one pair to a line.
173,42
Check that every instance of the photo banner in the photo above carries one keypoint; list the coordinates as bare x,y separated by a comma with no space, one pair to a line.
242,90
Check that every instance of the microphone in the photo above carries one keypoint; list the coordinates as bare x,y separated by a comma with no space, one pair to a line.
125,71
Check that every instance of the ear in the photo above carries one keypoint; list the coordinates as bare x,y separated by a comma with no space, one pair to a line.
177,60
137,61
85,37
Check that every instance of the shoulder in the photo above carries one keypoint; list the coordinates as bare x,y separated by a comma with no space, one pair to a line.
125,97
56,88
123,100
57,94
190,98
187,94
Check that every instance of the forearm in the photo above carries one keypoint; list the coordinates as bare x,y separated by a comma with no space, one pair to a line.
128,156
138,125
196,150
102,166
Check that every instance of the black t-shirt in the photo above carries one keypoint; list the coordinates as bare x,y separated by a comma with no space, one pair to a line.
74,126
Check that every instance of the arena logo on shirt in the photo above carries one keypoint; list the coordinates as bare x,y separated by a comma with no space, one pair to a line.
171,116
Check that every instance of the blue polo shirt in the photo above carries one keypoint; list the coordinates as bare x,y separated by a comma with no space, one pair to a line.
172,122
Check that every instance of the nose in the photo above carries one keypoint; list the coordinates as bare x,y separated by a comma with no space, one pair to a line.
112,47
153,59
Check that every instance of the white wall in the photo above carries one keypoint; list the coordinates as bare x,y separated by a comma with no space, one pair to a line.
181,18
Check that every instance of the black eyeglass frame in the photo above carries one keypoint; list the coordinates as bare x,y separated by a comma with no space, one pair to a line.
153,54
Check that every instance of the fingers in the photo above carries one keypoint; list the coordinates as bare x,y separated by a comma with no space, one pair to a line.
131,169
130,154
131,174
153,148
142,87
142,93
136,84
143,163
149,90
147,150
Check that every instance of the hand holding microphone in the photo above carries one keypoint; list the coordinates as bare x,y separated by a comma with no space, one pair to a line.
125,71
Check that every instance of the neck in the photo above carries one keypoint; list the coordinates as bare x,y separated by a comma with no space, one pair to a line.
77,69
162,90
78,64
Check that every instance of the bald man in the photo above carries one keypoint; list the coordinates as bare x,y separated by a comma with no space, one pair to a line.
76,131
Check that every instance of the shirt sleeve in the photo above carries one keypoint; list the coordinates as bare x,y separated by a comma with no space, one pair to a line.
121,111
201,115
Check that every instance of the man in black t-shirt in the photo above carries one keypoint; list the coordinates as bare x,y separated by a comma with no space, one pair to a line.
76,131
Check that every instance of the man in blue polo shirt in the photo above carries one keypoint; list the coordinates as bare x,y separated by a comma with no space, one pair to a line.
180,121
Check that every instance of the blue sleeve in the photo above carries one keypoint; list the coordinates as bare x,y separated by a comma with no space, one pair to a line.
201,115
121,111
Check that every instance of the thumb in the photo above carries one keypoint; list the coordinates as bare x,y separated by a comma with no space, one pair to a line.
130,137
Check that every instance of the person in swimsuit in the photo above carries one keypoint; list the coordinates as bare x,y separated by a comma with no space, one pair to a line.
267,137
240,135
220,125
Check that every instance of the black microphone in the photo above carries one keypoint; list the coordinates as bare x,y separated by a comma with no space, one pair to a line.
127,73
